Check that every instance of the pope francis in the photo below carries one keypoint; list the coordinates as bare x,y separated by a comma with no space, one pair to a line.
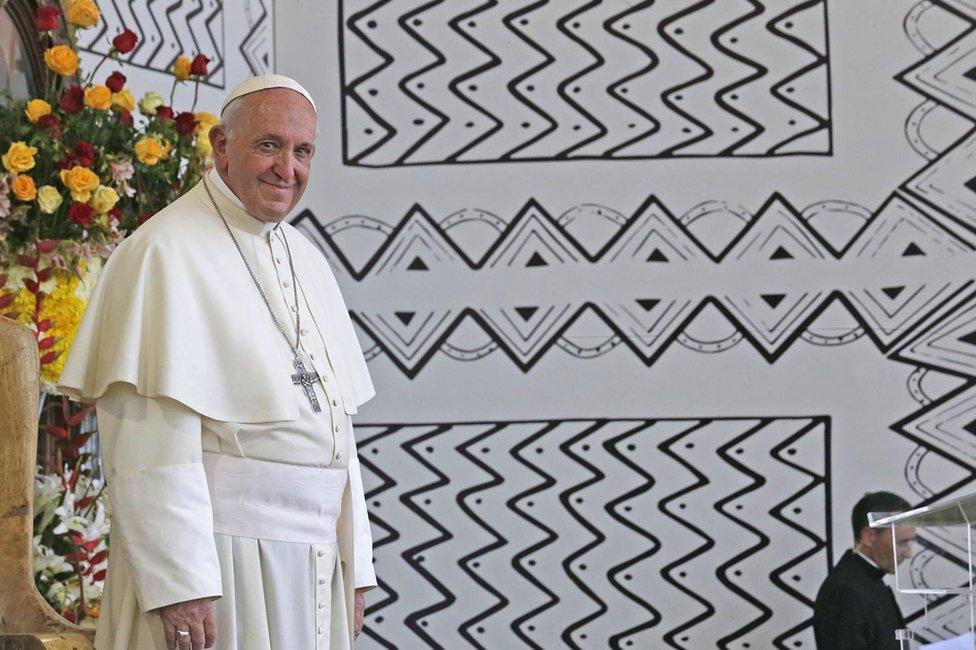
225,369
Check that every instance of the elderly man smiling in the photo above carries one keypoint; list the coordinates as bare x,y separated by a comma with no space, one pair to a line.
225,369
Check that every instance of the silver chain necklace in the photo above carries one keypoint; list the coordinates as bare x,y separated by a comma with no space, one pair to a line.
302,376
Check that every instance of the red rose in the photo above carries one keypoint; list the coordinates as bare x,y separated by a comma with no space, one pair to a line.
115,214
67,163
199,65
72,100
143,217
164,113
115,81
125,117
85,153
46,19
185,123
125,42
48,121
51,123
81,214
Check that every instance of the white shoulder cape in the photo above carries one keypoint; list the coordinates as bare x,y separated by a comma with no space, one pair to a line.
176,315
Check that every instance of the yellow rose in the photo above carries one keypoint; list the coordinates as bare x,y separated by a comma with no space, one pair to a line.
61,59
104,199
19,157
150,102
150,150
205,121
36,109
98,97
81,181
181,69
24,188
83,13
204,150
123,100
48,199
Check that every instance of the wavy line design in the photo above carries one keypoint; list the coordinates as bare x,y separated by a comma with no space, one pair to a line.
552,530
587,79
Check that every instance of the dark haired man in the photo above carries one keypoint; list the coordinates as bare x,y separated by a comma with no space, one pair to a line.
855,610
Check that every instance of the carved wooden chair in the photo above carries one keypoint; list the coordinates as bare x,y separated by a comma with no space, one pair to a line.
26,620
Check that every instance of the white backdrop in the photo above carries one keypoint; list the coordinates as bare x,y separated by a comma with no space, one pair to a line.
652,293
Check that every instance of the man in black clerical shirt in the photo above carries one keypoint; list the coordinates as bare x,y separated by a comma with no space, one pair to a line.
855,610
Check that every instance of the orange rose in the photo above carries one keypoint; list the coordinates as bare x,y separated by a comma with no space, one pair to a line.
181,69
98,97
24,188
83,13
61,59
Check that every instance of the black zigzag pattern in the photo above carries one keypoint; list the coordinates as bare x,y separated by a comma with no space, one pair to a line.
188,28
770,300
165,32
554,530
483,81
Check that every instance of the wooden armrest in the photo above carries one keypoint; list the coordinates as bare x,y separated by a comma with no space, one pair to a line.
22,608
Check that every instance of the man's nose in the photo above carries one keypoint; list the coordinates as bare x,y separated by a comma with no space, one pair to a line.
284,165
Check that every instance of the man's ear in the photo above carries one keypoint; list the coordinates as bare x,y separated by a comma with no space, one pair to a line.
867,536
218,142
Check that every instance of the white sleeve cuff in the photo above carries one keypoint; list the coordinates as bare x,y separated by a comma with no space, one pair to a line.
163,519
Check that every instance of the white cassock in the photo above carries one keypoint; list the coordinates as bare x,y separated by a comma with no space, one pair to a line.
223,481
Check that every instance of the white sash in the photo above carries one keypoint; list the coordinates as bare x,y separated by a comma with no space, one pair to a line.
275,501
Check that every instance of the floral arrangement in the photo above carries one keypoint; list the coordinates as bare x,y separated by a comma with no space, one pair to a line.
70,542
82,165
80,170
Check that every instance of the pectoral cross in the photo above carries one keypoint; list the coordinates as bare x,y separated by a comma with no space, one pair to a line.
306,380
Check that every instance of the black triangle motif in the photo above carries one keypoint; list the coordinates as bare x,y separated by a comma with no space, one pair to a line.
912,250
648,303
526,312
657,256
971,427
892,292
970,74
969,338
405,316
971,184
781,254
773,299
418,265
536,260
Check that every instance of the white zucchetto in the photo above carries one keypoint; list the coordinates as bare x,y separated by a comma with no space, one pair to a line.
266,82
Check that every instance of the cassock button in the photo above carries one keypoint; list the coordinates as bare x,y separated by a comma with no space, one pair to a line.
336,428
335,402
338,455
312,356
304,332
321,605
286,284
321,553
278,260
294,308
320,632
321,581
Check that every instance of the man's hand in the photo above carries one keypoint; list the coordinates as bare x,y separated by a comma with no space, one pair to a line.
360,611
195,617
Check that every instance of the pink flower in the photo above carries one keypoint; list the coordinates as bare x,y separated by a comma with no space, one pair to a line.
4,196
122,169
